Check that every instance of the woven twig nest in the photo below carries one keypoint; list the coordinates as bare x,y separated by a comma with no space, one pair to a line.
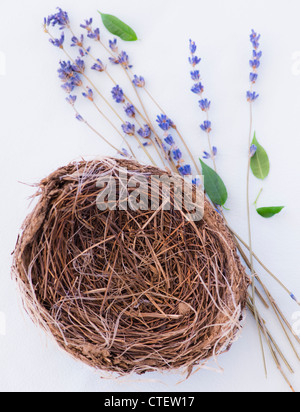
128,291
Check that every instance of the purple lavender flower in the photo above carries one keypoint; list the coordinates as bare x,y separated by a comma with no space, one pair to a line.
79,66
255,64
253,150
130,110
177,154
65,72
124,60
139,81
206,126
94,34
58,42
68,87
212,155
254,38
89,95
204,105
77,42
164,122
145,132
198,89
257,55
170,140
99,67
252,96
193,47
185,170
76,81
113,45
206,155
128,128
71,100
114,60
194,60
87,24
125,153
79,117
118,94
84,52
195,75
196,181
60,18
253,77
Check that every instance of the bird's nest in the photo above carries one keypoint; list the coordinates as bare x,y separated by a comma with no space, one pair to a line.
128,290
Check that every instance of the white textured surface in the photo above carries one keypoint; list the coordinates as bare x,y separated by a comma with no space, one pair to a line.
39,134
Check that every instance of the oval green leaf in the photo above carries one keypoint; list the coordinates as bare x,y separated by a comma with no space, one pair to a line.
214,185
260,164
118,28
268,212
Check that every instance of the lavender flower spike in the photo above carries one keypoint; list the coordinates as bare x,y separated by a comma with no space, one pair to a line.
177,154
87,25
58,42
139,81
61,19
255,64
118,94
124,60
164,122
128,128
198,89
113,45
94,34
145,132
204,105
71,100
170,140
99,67
89,95
206,126
130,110
252,96
185,170
253,150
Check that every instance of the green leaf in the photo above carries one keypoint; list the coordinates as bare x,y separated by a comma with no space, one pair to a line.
260,164
214,185
116,27
268,212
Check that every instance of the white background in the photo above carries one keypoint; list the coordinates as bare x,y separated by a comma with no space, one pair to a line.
39,134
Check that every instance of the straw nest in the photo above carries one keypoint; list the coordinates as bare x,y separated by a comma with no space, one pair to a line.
128,291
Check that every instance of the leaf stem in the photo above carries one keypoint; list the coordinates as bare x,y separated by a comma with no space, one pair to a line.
257,199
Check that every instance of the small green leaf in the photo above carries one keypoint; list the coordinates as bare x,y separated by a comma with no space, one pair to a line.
116,27
260,164
268,212
214,185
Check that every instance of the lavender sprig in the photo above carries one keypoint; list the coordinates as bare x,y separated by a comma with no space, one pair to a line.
204,103
254,64
166,124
